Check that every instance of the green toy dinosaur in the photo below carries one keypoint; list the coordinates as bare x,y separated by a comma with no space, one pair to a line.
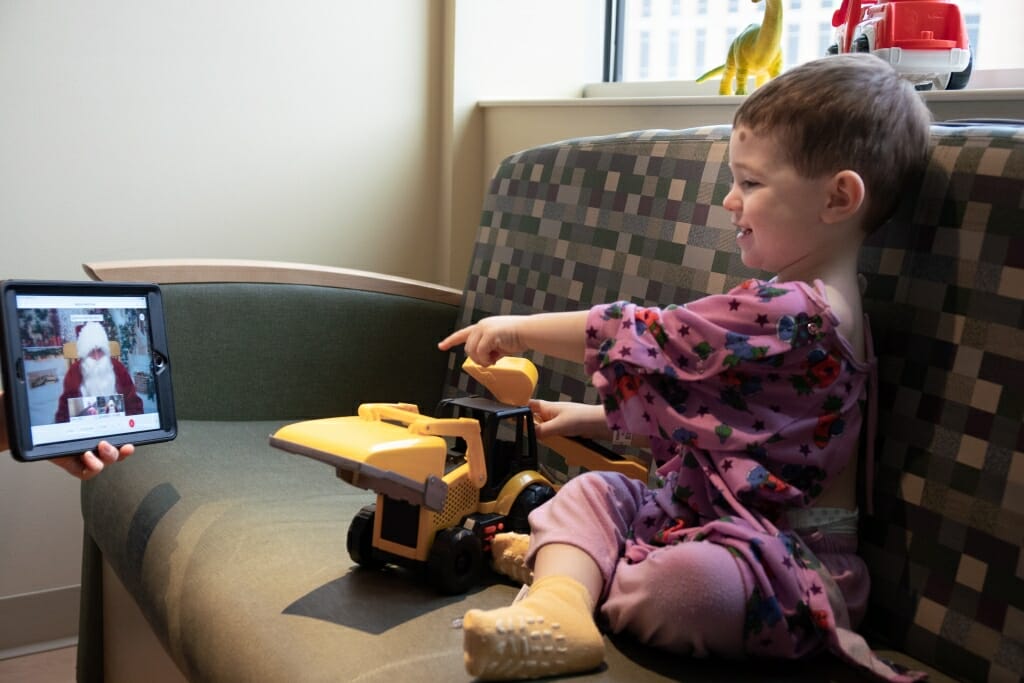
756,52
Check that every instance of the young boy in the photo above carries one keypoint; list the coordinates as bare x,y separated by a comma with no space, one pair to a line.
750,401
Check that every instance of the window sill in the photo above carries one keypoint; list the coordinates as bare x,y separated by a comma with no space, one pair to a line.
641,100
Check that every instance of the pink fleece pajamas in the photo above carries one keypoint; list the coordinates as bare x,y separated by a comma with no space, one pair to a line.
752,402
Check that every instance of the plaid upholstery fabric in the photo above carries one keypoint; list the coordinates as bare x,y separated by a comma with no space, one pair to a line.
946,299
638,216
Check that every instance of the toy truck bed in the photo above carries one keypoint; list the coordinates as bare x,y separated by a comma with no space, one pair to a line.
370,453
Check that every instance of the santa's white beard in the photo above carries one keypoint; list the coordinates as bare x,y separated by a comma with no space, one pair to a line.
98,377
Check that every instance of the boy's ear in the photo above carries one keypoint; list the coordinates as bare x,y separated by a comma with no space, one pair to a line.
846,195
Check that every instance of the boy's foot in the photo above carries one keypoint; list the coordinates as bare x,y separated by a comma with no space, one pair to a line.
508,552
550,632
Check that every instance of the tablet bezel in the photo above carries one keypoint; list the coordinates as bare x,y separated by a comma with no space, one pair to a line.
15,381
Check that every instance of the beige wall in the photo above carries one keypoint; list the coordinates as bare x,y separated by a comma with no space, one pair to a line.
497,48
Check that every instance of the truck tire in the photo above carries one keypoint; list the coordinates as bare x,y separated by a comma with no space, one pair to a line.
958,79
359,542
528,500
456,560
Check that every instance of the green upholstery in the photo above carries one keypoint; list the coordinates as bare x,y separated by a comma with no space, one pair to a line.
272,351
235,552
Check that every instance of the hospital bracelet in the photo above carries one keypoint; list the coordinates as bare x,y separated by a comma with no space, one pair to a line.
622,438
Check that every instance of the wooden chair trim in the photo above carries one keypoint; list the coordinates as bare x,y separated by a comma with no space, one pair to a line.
168,271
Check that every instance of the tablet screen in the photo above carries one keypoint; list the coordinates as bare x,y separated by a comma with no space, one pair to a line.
86,366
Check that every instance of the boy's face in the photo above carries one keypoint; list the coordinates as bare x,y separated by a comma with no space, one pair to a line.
776,211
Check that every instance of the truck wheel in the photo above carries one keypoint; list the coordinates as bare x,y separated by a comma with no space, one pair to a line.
833,49
456,560
359,542
958,79
528,500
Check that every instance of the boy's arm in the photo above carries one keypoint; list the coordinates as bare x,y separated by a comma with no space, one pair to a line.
561,335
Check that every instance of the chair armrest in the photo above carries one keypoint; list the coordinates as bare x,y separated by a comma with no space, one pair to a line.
167,271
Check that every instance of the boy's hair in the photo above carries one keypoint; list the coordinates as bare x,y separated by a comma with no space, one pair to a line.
849,111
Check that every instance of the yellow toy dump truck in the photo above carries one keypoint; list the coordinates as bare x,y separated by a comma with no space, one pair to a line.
446,484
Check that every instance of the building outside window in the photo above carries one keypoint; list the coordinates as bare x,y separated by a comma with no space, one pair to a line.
701,46
673,54
825,37
645,55
791,41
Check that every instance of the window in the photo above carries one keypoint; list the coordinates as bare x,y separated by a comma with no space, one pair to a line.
791,53
655,34
973,21
673,54
824,37
645,55
701,45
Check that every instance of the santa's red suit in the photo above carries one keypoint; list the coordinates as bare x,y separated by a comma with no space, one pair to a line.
100,376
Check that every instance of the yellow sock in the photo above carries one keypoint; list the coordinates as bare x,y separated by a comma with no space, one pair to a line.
549,632
508,553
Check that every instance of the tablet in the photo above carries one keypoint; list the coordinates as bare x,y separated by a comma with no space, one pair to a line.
83,362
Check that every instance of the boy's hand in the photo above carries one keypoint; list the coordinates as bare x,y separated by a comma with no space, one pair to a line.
89,464
488,340
564,418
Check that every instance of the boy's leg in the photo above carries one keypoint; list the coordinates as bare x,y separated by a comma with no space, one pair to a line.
508,556
688,598
593,512
578,537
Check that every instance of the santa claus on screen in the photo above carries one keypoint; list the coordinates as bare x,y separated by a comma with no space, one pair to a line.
96,373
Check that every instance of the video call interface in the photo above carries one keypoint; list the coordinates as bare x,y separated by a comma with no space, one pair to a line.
88,366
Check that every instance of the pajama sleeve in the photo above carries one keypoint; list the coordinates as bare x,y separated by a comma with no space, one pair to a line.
734,375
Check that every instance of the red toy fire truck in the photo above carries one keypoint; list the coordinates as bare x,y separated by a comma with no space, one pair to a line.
925,40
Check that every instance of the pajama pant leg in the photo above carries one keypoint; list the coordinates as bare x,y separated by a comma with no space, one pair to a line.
593,512
687,598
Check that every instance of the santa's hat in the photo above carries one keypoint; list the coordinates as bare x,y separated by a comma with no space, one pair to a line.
92,336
